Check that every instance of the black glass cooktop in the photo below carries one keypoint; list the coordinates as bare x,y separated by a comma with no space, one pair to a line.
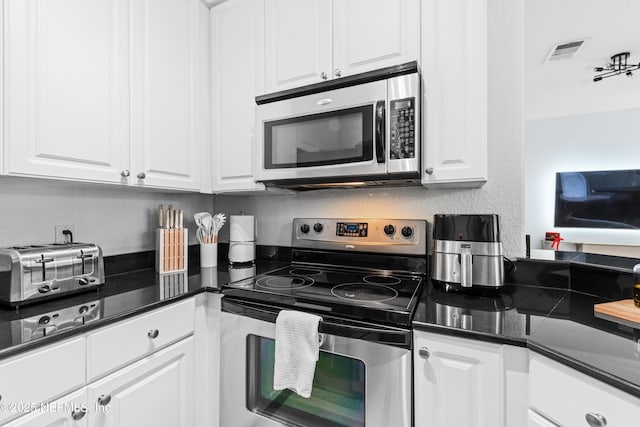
357,294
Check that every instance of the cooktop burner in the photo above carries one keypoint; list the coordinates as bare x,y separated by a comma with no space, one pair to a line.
364,292
284,283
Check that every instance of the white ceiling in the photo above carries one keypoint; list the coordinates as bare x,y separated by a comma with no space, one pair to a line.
566,87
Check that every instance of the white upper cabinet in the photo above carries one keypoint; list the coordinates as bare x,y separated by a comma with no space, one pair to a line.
237,48
454,71
169,92
309,42
372,34
106,90
297,43
66,92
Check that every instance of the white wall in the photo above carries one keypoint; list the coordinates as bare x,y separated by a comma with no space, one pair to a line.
586,142
503,194
120,220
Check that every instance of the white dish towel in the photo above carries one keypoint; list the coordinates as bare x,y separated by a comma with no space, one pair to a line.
297,351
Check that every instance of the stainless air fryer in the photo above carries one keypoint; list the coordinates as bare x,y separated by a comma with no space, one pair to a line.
467,252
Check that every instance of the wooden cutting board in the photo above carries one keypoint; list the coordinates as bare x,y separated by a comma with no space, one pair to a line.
624,312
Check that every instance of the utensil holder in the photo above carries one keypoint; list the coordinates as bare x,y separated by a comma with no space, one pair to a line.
172,246
208,254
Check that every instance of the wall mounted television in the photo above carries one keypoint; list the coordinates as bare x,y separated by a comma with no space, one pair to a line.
598,199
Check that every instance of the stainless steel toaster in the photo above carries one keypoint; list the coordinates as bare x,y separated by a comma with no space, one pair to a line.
32,273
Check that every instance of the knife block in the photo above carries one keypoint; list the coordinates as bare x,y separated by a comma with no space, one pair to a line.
171,249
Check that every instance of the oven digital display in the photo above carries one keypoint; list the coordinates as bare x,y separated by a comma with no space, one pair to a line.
352,229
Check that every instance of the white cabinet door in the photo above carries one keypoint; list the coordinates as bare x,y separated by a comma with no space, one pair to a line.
297,43
454,70
69,411
457,382
536,420
372,34
237,31
66,88
156,391
169,92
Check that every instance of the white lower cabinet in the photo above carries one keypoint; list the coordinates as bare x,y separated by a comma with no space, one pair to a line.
565,397
69,411
40,376
457,382
155,391
534,419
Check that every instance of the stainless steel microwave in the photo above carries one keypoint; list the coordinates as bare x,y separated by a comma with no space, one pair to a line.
355,131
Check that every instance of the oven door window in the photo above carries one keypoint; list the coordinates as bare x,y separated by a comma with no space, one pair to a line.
330,138
337,398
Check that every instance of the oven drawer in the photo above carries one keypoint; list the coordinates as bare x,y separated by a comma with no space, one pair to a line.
117,345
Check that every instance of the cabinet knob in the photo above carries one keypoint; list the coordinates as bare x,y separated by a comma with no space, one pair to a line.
141,175
78,414
337,72
424,353
125,173
153,333
429,171
323,75
103,400
595,420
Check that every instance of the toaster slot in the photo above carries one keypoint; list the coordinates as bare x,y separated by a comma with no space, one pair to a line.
41,268
84,264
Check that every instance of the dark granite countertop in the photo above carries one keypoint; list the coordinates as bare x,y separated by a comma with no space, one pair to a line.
551,314
546,306
123,295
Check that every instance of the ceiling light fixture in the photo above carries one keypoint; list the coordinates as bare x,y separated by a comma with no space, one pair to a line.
617,66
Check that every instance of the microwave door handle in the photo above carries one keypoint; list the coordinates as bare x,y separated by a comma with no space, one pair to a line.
380,131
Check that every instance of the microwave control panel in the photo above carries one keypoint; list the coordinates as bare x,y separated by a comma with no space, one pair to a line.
403,129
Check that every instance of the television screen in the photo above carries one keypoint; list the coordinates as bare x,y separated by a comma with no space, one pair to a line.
598,199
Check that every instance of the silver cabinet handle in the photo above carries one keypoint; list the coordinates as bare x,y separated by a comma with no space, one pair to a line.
323,75
78,414
141,175
153,333
595,420
429,171
125,173
337,72
103,400
424,353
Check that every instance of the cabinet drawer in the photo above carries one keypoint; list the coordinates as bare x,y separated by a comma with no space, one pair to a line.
565,396
40,376
119,344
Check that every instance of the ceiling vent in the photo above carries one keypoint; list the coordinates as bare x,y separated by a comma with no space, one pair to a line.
564,51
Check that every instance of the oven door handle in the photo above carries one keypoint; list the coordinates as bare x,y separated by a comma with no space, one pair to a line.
381,335
380,131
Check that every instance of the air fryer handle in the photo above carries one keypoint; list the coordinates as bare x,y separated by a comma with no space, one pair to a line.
466,266
380,131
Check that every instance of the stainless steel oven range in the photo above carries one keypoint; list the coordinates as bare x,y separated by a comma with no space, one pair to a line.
364,277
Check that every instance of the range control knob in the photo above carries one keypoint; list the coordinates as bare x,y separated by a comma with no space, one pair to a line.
317,227
407,232
304,228
389,229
